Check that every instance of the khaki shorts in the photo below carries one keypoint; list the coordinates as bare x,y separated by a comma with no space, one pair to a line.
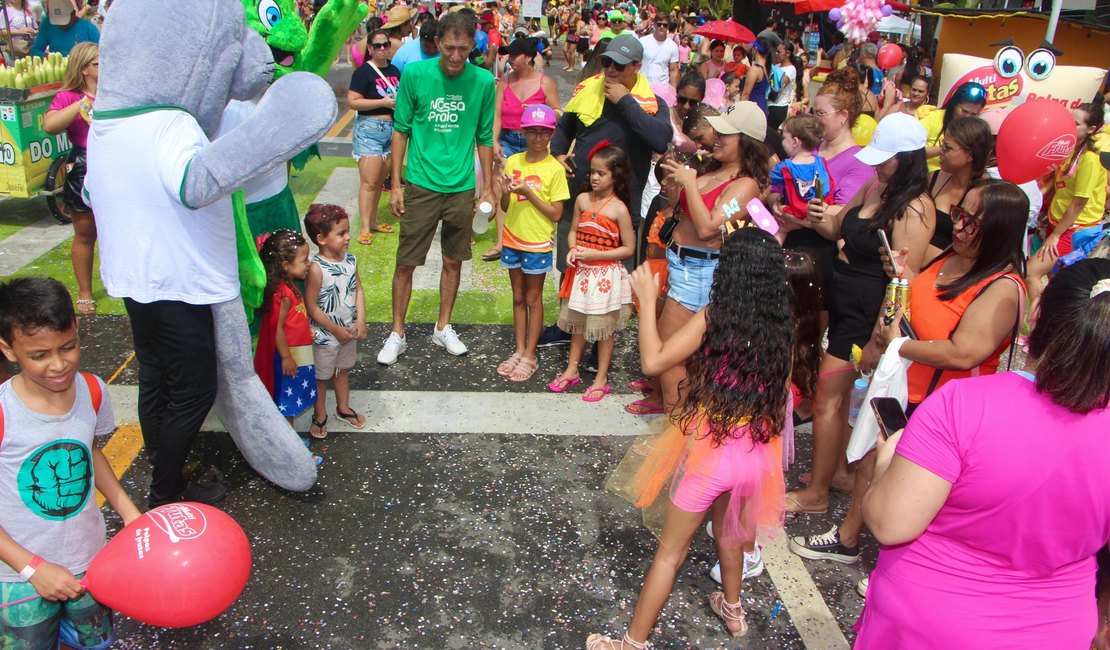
424,209
329,360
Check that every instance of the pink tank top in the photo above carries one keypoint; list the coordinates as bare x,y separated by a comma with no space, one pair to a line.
512,108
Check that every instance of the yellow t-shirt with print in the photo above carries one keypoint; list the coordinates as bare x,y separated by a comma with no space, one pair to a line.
1087,182
526,228
933,123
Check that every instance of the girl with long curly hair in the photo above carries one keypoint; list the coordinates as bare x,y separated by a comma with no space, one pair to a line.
283,358
724,440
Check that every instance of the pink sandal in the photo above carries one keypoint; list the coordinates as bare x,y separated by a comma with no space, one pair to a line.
592,393
560,383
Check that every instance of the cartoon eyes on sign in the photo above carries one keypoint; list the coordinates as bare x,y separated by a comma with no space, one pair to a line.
1038,65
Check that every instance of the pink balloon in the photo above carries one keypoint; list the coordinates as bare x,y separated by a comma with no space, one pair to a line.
887,10
1034,139
889,56
178,565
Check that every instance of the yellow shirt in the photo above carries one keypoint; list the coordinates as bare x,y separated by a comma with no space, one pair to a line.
526,228
933,123
1087,182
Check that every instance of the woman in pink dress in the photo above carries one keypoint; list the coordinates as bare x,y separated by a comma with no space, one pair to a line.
993,501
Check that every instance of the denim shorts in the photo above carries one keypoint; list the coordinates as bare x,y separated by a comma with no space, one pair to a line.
372,136
512,142
530,263
690,279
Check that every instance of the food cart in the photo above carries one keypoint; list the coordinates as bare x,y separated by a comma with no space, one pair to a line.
32,161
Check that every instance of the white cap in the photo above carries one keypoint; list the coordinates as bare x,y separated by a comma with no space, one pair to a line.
896,133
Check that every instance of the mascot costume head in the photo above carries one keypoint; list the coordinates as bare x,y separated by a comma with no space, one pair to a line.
161,170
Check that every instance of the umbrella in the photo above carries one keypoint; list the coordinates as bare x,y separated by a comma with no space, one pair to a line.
726,30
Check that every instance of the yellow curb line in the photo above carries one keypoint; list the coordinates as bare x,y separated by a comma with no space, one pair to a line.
125,443
340,124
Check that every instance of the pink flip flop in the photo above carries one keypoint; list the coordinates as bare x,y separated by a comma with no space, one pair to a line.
560,384
643,407
592,392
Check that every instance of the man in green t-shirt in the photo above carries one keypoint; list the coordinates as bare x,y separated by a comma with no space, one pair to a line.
444,108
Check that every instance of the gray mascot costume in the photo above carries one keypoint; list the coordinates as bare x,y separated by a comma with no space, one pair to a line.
159,182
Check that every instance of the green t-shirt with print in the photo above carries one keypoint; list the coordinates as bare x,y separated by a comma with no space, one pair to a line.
444,118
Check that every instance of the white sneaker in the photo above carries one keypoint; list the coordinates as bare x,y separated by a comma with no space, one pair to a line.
753,566
449,340
393,347
861,586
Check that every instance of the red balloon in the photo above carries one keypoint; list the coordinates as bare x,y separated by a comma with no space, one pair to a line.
889,56
178,565
1035,138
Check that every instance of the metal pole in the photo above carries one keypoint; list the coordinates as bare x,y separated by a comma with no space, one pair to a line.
1053,20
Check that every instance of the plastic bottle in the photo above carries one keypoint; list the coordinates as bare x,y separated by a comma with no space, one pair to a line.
859,392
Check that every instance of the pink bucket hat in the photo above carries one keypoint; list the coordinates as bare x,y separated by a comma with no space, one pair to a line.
538,115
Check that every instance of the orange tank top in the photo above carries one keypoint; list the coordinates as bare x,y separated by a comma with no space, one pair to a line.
936,319
598,232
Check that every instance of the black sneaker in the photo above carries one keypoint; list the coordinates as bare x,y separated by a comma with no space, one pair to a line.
208,493
825,546
553,336
591,359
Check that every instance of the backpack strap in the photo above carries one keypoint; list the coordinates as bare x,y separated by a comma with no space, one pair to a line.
95,392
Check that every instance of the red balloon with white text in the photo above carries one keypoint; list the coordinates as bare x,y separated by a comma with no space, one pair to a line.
176,566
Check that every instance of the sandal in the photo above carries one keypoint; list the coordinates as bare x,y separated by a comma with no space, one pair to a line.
643,385
86,306
729,612
505,368
317,460
318,429
799,508
383,227
605,642
561,383
592,393
524,369
643,407
492,255
352,418
365,238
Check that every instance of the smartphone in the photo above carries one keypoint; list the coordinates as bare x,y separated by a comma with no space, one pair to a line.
890,415
762,217
890,252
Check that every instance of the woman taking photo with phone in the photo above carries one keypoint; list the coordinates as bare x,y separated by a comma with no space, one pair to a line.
1004,477
966,308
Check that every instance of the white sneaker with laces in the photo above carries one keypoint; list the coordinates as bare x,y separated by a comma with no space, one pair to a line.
861,586
449,340
753,566
393,347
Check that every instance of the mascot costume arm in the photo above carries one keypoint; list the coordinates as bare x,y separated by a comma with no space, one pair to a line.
206,58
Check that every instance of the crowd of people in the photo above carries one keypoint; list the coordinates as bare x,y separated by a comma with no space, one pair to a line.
640,192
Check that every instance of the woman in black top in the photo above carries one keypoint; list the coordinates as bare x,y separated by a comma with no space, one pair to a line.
373,94
963,163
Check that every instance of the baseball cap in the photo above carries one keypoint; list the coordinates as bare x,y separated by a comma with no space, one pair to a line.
625,49
616,14
396,16
486,17
538,115
742,117
896,133
61,12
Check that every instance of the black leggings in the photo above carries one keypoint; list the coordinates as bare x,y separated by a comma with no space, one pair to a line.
175,344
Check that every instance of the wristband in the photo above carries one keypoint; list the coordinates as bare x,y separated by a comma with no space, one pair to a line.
31,567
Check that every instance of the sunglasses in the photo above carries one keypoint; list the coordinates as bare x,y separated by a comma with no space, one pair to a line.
688,101
662,25
380,46
949,148
619,67
964,220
